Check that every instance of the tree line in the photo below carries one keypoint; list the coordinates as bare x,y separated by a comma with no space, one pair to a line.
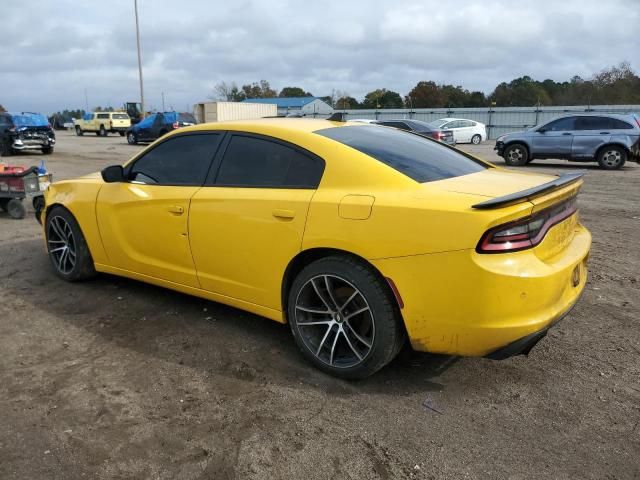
617,85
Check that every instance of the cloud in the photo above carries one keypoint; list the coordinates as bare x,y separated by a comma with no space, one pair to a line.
354,46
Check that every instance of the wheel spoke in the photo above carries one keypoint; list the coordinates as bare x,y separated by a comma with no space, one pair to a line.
333,347
357,312
344,334
60,260
357,335
330,292
320,295
324,339
318,322
313,310
353,295
58,249
56,228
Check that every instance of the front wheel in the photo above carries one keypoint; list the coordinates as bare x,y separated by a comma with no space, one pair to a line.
516,155
132,139
67,248
612,158
476,139
79,131
344,318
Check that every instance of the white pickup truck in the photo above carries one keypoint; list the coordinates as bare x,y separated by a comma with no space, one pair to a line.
103,123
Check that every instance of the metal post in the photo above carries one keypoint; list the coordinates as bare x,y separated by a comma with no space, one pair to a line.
163,102
135,6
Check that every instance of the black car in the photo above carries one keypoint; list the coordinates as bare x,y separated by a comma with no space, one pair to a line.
421,128
25,131
156,125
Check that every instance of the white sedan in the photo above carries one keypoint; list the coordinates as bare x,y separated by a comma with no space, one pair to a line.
464,131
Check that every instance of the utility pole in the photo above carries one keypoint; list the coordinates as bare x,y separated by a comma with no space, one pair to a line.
163,102
86,101
135,6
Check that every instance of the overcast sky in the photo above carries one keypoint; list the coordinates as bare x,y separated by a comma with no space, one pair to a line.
53,50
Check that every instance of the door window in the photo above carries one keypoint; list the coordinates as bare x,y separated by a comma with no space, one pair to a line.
103,115
592,123
561,125
467,123
259,162
616,124
180,160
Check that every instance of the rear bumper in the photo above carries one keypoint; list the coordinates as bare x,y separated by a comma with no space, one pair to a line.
119,129
470,304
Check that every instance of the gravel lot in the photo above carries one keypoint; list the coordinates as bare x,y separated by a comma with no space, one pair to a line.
118,379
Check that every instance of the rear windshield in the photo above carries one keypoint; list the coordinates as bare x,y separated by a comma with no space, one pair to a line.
121,116
418,158
186,117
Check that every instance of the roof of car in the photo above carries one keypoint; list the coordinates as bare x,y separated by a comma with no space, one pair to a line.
291,123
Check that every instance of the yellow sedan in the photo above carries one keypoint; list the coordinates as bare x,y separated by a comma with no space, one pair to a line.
358,236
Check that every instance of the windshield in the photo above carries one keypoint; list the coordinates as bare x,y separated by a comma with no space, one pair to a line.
29,120
438,123
418,158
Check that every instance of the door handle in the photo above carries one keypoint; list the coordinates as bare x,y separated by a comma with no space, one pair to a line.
566,133
282,213
176,209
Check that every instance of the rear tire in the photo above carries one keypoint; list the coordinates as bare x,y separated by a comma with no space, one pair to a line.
343,317
476,139
612,158
102,132
67,247
16,209
516,155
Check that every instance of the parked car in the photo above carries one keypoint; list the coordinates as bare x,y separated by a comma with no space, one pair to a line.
158,124
352,234
25,131
103,123
464,131
608,139
421,128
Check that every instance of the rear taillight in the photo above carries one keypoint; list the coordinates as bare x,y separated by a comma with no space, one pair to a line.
527,232
438,135
176,125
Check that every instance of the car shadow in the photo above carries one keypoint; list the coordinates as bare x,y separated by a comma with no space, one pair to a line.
194,332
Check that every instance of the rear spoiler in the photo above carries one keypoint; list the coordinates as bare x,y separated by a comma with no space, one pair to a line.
517,197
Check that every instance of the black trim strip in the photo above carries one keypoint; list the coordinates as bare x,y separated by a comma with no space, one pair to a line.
528,194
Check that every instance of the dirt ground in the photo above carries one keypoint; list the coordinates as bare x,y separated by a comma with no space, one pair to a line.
118,379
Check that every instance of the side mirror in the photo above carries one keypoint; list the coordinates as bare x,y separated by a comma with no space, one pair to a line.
542,130
113,174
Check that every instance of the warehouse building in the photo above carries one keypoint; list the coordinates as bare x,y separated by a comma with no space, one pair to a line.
307,105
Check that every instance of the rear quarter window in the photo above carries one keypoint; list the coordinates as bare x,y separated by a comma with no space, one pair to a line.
418,158
616,124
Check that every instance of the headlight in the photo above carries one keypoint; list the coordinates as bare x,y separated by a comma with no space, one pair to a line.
500,139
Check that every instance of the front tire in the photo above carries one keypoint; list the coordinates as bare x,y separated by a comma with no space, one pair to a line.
67,248
79,131
516,155
132,139
612,158
476,139
343,317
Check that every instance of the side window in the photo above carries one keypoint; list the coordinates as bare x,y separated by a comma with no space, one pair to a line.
562,124
616,124
592,123
258,162
467,123
181,160
103,115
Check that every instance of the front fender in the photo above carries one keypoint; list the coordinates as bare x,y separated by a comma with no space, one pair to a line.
79,197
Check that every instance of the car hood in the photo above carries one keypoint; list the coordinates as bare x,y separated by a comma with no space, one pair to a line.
492,183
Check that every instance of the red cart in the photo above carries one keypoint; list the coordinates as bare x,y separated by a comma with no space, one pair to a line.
18,183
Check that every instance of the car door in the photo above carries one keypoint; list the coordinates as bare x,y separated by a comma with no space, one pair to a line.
144,221
455,127
554,139
590,133
247,223
466,130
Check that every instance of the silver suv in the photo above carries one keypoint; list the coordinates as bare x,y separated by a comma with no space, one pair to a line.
608,139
